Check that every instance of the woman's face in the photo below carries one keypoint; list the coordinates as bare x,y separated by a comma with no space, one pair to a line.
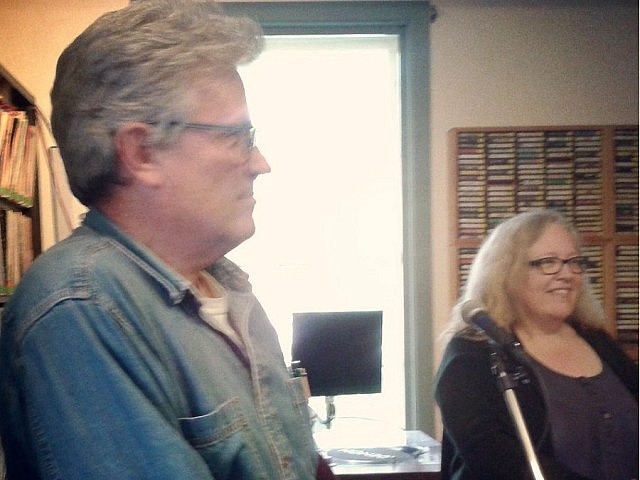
545,298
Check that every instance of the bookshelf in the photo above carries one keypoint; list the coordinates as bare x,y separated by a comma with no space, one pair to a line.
19,212
589,173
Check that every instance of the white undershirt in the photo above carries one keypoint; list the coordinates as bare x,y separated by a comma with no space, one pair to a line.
214,310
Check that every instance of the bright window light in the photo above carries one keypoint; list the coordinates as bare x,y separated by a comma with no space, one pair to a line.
329,215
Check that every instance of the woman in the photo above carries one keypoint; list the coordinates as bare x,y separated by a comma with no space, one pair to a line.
577,390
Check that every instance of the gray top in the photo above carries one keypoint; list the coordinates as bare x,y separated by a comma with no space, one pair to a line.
594,423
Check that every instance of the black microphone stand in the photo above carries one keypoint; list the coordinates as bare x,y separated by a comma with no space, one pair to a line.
507,383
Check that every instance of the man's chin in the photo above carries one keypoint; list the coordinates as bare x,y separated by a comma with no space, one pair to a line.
243,233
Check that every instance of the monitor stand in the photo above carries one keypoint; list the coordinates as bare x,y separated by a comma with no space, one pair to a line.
330,414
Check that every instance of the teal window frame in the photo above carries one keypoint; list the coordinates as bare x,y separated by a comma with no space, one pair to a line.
410,20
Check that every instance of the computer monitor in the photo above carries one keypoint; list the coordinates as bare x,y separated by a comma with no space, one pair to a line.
341,351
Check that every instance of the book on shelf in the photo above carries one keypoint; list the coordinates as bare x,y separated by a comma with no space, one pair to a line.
17,156
18,251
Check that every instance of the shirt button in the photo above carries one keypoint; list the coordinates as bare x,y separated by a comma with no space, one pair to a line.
606,415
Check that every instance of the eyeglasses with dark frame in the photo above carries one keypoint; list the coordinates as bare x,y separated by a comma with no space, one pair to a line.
246,130
552,265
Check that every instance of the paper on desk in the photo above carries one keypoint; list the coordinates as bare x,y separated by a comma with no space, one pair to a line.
359,433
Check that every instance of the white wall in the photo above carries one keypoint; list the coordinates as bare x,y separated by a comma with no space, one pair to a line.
494,63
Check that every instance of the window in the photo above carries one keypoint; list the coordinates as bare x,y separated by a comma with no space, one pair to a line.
342,220
329,216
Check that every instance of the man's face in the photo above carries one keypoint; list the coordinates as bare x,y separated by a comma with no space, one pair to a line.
209,174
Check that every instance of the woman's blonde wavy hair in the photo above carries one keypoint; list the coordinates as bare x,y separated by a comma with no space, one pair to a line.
501,263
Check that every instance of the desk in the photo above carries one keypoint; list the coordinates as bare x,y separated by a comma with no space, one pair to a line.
401,471
398,473
371,452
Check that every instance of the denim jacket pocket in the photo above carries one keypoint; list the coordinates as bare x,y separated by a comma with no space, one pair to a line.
298,396
301,405
214,427
223,438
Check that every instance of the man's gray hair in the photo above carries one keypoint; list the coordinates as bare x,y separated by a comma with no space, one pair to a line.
140,63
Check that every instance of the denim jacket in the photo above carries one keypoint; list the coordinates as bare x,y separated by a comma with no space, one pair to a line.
107,371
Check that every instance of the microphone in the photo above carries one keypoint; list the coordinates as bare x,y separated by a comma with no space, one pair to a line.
473,314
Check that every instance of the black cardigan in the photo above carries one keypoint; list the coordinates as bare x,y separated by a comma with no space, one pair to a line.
479,440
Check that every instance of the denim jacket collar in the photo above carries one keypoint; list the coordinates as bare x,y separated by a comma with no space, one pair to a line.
176,287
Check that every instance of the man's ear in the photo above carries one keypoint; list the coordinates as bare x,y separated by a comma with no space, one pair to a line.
136,159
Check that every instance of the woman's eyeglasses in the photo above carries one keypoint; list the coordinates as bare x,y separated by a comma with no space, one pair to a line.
552,265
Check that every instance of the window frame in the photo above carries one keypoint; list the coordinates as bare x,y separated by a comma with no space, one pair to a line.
410,20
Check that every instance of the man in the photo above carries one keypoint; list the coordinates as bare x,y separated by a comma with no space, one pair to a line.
134,349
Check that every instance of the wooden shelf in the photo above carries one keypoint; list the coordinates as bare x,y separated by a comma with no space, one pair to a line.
589,173
16,200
